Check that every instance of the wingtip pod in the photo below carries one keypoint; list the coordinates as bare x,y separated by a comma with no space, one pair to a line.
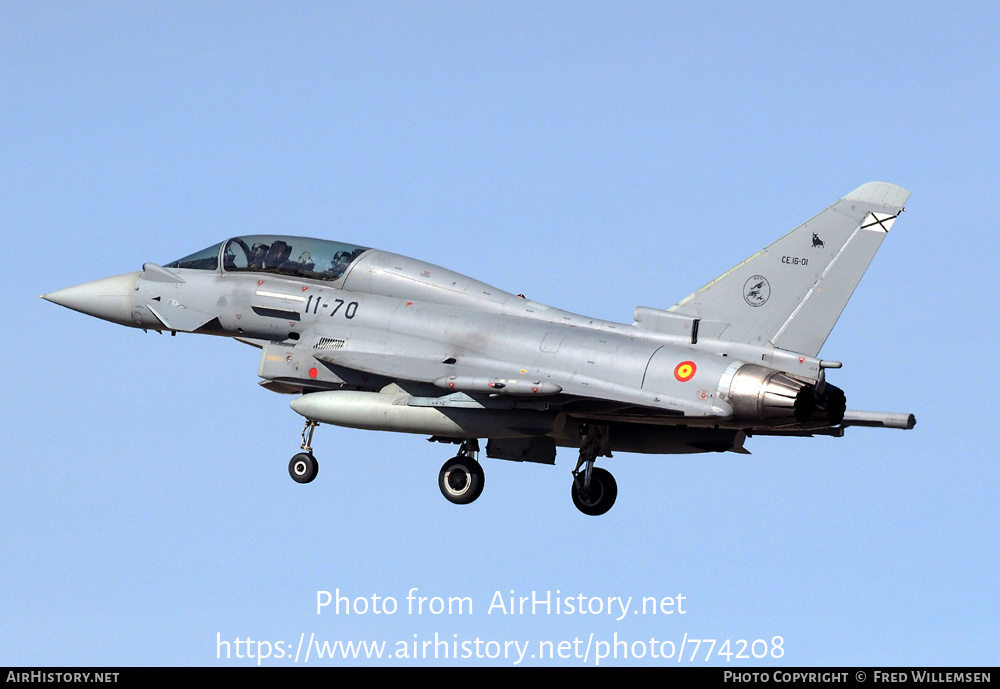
888,196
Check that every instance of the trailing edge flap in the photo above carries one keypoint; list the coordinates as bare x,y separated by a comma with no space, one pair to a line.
791,293
432,369
175,316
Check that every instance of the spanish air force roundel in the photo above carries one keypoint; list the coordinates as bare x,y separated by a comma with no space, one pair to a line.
685,371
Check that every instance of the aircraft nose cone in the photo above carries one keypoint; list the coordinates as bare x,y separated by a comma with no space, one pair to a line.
108,298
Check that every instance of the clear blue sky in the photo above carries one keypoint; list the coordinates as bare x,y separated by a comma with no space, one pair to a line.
594,156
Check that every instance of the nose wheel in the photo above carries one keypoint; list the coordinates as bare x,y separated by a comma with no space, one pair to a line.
303,467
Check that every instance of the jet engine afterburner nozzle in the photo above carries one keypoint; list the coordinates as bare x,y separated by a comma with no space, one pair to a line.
830,407
764,396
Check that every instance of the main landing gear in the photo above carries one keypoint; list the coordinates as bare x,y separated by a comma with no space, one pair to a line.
594,490
461,478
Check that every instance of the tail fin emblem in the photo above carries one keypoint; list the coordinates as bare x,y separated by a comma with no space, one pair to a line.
878,221
756,290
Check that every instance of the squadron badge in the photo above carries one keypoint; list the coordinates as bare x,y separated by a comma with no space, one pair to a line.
756,290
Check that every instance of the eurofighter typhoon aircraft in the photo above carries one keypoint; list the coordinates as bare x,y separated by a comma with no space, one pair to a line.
374,340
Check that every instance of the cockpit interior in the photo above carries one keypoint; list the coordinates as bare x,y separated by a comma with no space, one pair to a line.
302,257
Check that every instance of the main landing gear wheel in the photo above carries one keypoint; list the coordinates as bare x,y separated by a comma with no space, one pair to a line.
303,467
601,495
461,480
594,490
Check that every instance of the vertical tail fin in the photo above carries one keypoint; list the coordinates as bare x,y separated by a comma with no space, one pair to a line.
792,293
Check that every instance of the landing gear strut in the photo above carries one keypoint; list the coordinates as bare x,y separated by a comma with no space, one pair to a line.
461,478
303,467
594,489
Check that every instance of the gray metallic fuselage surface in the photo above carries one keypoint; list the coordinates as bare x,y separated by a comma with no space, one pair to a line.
374,340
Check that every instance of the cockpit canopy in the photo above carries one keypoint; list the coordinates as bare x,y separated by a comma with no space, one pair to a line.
302,257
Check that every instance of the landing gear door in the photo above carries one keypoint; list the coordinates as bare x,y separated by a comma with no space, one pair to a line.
539,449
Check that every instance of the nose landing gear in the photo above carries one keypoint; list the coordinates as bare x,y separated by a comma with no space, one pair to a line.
303,467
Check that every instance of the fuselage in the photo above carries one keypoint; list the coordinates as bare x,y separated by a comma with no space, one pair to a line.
382,319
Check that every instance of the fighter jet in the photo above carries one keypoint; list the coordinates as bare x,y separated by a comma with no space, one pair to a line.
369,339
